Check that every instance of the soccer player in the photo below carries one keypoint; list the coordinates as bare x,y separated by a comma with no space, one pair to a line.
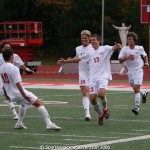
15,92
100,73
17,62
131,57
84,71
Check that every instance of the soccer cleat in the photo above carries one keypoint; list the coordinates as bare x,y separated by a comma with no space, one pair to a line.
144,97
87,117
15,117
135,111
53,126
100,120
106,113
20,126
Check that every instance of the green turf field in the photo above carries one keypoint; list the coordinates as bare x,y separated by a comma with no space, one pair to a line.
122,131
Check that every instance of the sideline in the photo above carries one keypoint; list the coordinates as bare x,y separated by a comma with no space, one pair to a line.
75,86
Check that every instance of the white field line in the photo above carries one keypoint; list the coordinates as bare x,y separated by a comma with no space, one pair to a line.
79,140
76,87
20,147
107,143
94,145
69,118
75,136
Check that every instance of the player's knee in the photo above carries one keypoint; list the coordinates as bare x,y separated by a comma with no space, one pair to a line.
38,103
101,96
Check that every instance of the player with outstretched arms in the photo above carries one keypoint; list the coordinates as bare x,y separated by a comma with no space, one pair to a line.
100,73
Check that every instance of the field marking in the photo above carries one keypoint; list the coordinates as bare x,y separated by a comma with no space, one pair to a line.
45,102
111,87
54,143
69,118
125,133
96,145
37,134
20,147
140,130
79,140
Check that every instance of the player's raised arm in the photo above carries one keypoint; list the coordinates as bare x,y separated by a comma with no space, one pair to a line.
117,46
68,60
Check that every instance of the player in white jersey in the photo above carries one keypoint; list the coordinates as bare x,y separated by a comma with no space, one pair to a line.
84,71
17,62
100,73
131,57
15,92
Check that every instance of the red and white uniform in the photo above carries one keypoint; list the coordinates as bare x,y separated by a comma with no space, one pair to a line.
10,76
99,64
135,66
17,62
84,71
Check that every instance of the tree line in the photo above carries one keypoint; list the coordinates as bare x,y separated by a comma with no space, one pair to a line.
63,20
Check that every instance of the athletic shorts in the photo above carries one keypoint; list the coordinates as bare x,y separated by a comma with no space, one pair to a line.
83,80
19,99
135,77
96,85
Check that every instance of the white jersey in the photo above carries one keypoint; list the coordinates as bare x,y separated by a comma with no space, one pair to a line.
10,76
17,60
137,63
83,65
99,63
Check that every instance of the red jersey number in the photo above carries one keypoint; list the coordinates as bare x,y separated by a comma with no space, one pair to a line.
5,78
82,82
96,59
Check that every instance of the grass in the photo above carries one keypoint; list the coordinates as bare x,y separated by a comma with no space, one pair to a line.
122,123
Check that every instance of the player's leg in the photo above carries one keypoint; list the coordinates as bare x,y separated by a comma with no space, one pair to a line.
44,113
102,86
84,86
12,109
137,99
86,101
143,96
21,115
10,103
103,98
137,78
93,99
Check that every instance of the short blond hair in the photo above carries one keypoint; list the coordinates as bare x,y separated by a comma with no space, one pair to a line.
86,32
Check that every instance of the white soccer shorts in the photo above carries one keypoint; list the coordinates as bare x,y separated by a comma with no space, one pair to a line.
19,99
135,77
96,85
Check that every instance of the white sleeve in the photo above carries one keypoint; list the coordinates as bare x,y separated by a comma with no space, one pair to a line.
143,53
76,51
121,54
16,75
17,61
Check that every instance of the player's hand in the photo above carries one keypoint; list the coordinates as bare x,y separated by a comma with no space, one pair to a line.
146,65
61,61
130,57
30,71
117,46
